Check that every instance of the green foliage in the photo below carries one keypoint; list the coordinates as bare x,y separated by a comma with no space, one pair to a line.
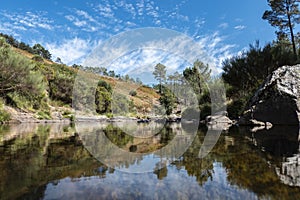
13,42
160,74
61,81
121,105
41,51
37,58
205,110
244,73
4,116
133,93
197,76
117,136
18,78
168,100
43,115
284,15
103,97
236,108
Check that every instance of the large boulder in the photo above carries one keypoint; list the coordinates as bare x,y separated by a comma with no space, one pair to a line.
277,100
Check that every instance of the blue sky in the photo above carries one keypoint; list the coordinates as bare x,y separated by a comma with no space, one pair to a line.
72,29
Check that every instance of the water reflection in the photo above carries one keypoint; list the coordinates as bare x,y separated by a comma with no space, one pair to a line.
51,162
283,143
111,145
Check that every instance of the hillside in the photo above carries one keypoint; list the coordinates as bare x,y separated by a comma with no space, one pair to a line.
44,89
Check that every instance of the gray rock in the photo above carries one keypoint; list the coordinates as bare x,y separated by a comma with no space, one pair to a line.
277,101
218,122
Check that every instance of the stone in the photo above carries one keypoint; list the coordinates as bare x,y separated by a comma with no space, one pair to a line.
219,121
277,101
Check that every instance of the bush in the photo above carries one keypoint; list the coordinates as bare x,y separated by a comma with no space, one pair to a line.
205,110
236,108
133,93
103,97
43,115
37,58
18,78
4,116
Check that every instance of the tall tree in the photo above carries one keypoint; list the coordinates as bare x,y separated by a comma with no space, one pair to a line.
284,14
40,50
197,76
160,74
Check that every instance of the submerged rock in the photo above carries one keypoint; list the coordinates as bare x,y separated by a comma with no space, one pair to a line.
277,101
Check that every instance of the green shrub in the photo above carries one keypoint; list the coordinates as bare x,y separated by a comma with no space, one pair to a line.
4,116
133,93
37,58
236,108
44,115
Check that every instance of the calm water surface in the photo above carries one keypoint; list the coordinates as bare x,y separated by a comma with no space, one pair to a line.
64,162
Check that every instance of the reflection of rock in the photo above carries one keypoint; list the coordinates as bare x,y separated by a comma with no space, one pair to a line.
278,100
81,118
278,141
289,172
282,141
266,126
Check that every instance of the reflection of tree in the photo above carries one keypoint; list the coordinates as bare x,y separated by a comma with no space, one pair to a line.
166,134
43,154
117,136
161,173
251,169
202,169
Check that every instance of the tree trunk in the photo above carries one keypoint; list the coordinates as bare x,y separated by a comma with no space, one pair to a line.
291,29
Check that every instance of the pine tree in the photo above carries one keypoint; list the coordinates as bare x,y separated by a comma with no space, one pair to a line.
160,74
284,15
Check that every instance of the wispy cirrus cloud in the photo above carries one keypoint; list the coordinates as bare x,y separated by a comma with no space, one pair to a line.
223,25
71,50
27,20
240,27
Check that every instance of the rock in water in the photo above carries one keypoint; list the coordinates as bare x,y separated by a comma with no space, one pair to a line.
277,100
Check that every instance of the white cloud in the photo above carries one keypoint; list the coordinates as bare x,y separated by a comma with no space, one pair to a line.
85,15
105,10
28,20
217,49
71,51
172,49
239,27
223,25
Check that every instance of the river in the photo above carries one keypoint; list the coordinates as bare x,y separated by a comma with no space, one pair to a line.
147,161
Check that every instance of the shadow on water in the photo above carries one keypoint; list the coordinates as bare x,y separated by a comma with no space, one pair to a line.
54,162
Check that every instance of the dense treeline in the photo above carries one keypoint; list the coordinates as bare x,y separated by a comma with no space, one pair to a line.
189,89
36,49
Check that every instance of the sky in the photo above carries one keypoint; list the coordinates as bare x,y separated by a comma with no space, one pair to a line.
72,30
